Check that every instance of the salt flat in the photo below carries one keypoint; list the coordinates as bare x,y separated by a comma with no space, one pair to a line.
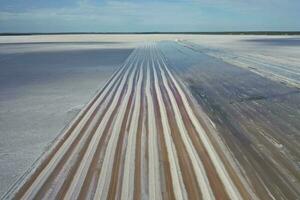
178,117
40,93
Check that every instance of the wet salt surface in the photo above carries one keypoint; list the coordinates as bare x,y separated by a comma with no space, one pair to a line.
40,93
274,57
257,117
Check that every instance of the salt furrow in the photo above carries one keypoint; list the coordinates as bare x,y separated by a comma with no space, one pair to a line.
128,184
223,174
154,179
197,164
103,183
179,188
46,172
78,180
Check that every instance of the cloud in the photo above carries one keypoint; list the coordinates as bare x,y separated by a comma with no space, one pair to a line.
133,15
115,13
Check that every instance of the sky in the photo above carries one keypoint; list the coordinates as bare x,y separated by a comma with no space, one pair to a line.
148,15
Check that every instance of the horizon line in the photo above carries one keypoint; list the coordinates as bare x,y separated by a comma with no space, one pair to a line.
158,32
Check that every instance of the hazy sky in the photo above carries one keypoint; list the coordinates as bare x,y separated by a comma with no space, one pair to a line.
148,15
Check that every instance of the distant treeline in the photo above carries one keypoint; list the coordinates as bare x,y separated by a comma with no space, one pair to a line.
189,33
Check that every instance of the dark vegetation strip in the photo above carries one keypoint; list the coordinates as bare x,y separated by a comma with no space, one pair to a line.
156,32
